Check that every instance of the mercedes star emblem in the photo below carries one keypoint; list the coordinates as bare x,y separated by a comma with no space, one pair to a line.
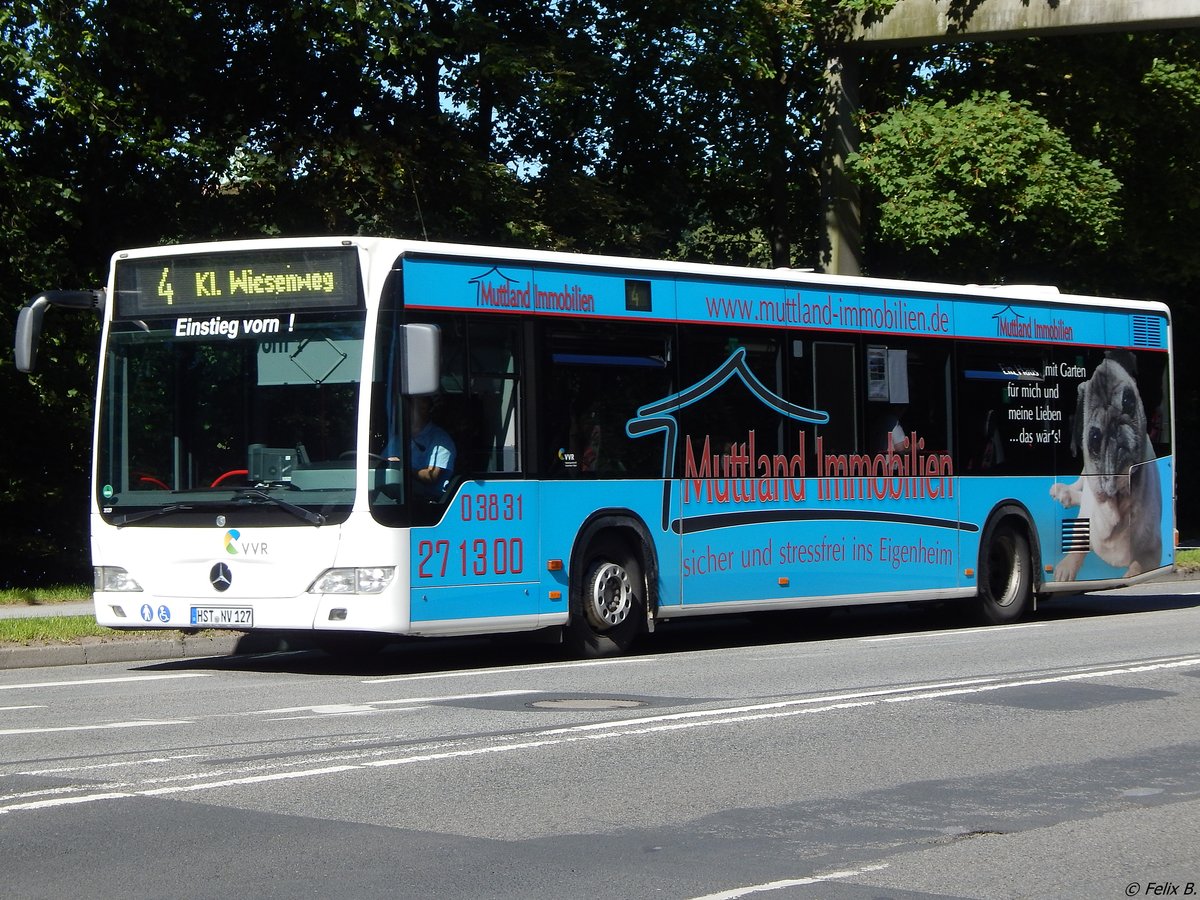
221,577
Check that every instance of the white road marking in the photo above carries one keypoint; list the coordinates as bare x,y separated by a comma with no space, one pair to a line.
955,632
125,678
15,708
250,779
64,801
344,711
142,761
48,792
601,731
790,882
141,723
1056,679
506,670
370,705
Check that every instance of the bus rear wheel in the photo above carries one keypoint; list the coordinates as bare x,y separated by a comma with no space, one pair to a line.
608,603
1005,576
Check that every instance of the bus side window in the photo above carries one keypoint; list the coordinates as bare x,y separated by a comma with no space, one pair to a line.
907,391
1000,389
598,377
835,391
481,392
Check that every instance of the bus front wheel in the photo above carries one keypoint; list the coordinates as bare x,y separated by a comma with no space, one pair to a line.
608,603
1005,576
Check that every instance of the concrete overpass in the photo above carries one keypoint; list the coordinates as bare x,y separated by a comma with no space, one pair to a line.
912,22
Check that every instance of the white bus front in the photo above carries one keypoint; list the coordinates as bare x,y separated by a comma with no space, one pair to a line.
228,489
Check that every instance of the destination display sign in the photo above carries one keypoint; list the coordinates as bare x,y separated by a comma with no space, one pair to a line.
285,280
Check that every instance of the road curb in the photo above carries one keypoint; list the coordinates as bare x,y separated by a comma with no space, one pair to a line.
103,651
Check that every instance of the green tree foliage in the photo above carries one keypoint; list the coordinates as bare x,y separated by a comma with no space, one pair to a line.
988,178
754,84
666,129
1125,103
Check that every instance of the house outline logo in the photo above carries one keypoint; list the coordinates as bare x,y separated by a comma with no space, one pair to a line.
495,289
1010,313
659,416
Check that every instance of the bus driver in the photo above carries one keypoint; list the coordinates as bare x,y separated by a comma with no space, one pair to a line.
431,451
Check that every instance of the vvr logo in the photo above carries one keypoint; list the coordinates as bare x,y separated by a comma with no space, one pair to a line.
234,545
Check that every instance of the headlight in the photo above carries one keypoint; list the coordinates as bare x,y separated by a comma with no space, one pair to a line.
368,580
113,578
374,579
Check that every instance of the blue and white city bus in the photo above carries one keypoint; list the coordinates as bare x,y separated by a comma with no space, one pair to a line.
627,441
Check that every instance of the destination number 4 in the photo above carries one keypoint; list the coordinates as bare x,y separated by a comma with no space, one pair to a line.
166,290
502,556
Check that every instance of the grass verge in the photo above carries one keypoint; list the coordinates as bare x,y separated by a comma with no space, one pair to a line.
59,593
73,629
1187,561
52,630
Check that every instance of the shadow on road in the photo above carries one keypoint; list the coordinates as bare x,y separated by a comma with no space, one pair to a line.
422,656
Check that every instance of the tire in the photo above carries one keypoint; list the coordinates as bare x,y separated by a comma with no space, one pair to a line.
1005,576
608,599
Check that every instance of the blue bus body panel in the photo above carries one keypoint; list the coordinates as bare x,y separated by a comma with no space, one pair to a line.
786,549
728,529
483,558
519,287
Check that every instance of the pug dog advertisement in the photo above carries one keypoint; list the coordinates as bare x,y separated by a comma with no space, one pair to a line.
1118,492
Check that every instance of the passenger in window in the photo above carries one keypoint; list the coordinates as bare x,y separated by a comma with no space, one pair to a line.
591,439
893,430
992,452
594,456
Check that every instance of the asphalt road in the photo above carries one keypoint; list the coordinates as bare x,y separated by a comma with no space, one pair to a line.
884,753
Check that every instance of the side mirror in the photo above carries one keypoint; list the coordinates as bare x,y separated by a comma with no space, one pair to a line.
29,321
29,329
422,359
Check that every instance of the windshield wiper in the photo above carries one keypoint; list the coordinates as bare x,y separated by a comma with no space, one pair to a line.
122,521
299,511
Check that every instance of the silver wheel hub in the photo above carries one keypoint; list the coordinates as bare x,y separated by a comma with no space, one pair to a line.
610,597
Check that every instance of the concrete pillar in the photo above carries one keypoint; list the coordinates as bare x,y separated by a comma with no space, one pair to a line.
841,253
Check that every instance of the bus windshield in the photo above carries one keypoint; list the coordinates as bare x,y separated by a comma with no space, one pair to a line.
209,414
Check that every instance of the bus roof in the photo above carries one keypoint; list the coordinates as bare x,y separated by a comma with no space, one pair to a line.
384,251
